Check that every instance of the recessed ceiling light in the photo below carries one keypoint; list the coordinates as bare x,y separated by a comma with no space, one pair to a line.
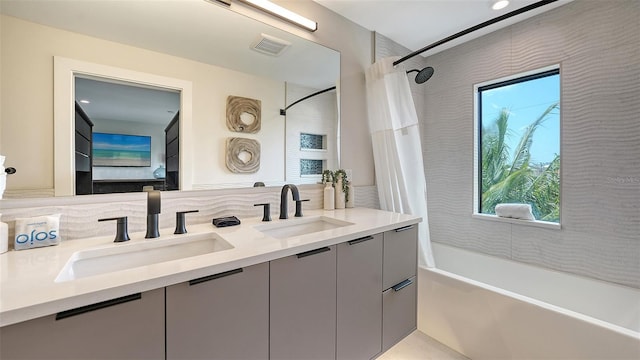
499,4
85,101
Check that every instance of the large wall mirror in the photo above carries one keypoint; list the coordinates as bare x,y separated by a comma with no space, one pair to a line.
63,61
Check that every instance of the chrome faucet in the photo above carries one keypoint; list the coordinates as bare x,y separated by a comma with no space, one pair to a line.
153,209
296,198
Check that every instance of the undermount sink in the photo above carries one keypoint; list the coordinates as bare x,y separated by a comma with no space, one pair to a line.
301,226
134,254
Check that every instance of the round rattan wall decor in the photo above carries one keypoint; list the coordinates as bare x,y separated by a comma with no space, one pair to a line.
243,155
243,114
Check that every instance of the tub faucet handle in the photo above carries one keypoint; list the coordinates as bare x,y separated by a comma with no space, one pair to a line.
121,229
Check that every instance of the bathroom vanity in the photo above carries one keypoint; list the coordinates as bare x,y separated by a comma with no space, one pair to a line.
332,284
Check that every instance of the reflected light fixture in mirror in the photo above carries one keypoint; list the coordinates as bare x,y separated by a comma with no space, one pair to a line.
282,13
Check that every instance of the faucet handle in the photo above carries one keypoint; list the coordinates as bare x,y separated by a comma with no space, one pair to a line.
121,228
181,227
299,207
266,211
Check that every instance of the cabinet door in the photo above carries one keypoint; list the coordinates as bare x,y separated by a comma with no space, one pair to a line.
359,297
303,305
131,327
400,255
399,312
224,316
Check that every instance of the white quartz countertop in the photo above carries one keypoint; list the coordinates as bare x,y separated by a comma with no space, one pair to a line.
28,287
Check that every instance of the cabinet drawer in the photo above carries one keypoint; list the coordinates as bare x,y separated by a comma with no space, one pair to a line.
82,126
83,145
398,312
83,162
400,255
173,147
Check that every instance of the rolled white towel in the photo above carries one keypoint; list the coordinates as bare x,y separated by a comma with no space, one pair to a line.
515,211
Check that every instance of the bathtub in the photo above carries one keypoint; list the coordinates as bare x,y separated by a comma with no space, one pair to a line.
491,308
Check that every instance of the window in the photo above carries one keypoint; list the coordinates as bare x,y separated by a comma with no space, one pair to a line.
518,143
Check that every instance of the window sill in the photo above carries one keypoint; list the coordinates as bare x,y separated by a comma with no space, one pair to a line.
534,223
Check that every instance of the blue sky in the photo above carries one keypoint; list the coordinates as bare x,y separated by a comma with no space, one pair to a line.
526,101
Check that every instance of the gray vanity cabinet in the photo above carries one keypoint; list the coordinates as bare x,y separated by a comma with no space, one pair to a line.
303,305
359,305
400,255
399,304
223,316
130,327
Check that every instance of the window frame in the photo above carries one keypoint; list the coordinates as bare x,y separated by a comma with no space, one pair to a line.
477,145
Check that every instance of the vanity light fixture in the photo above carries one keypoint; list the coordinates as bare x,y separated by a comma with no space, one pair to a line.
85,101
285,14
499,4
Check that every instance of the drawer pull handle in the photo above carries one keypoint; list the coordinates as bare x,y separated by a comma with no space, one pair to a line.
313,252
98,306
214,276
362,239
402,285
404,228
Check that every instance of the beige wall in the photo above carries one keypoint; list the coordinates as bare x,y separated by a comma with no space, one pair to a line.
27,103
596,45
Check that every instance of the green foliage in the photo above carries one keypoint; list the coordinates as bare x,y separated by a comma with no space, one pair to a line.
513,179
329,176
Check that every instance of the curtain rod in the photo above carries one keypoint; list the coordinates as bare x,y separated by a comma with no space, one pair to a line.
284,111
474,28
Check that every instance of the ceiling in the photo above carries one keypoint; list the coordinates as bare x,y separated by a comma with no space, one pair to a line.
418,23
120,101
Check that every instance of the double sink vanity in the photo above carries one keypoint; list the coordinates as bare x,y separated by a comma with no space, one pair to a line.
329,285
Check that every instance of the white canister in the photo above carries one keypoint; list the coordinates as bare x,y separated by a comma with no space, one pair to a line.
4,237
329,197
340,199
350,196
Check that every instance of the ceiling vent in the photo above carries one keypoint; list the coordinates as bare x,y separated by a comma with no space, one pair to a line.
270,45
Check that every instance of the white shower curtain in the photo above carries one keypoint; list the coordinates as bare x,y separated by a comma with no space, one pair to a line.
397,152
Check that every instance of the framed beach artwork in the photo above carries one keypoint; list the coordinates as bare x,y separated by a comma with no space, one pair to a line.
121,150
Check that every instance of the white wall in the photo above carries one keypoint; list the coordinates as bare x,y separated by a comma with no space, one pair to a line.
27,51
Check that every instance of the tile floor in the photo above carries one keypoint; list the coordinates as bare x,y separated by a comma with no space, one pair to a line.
418,346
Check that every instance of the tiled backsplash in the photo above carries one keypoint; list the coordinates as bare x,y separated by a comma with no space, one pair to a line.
80,214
